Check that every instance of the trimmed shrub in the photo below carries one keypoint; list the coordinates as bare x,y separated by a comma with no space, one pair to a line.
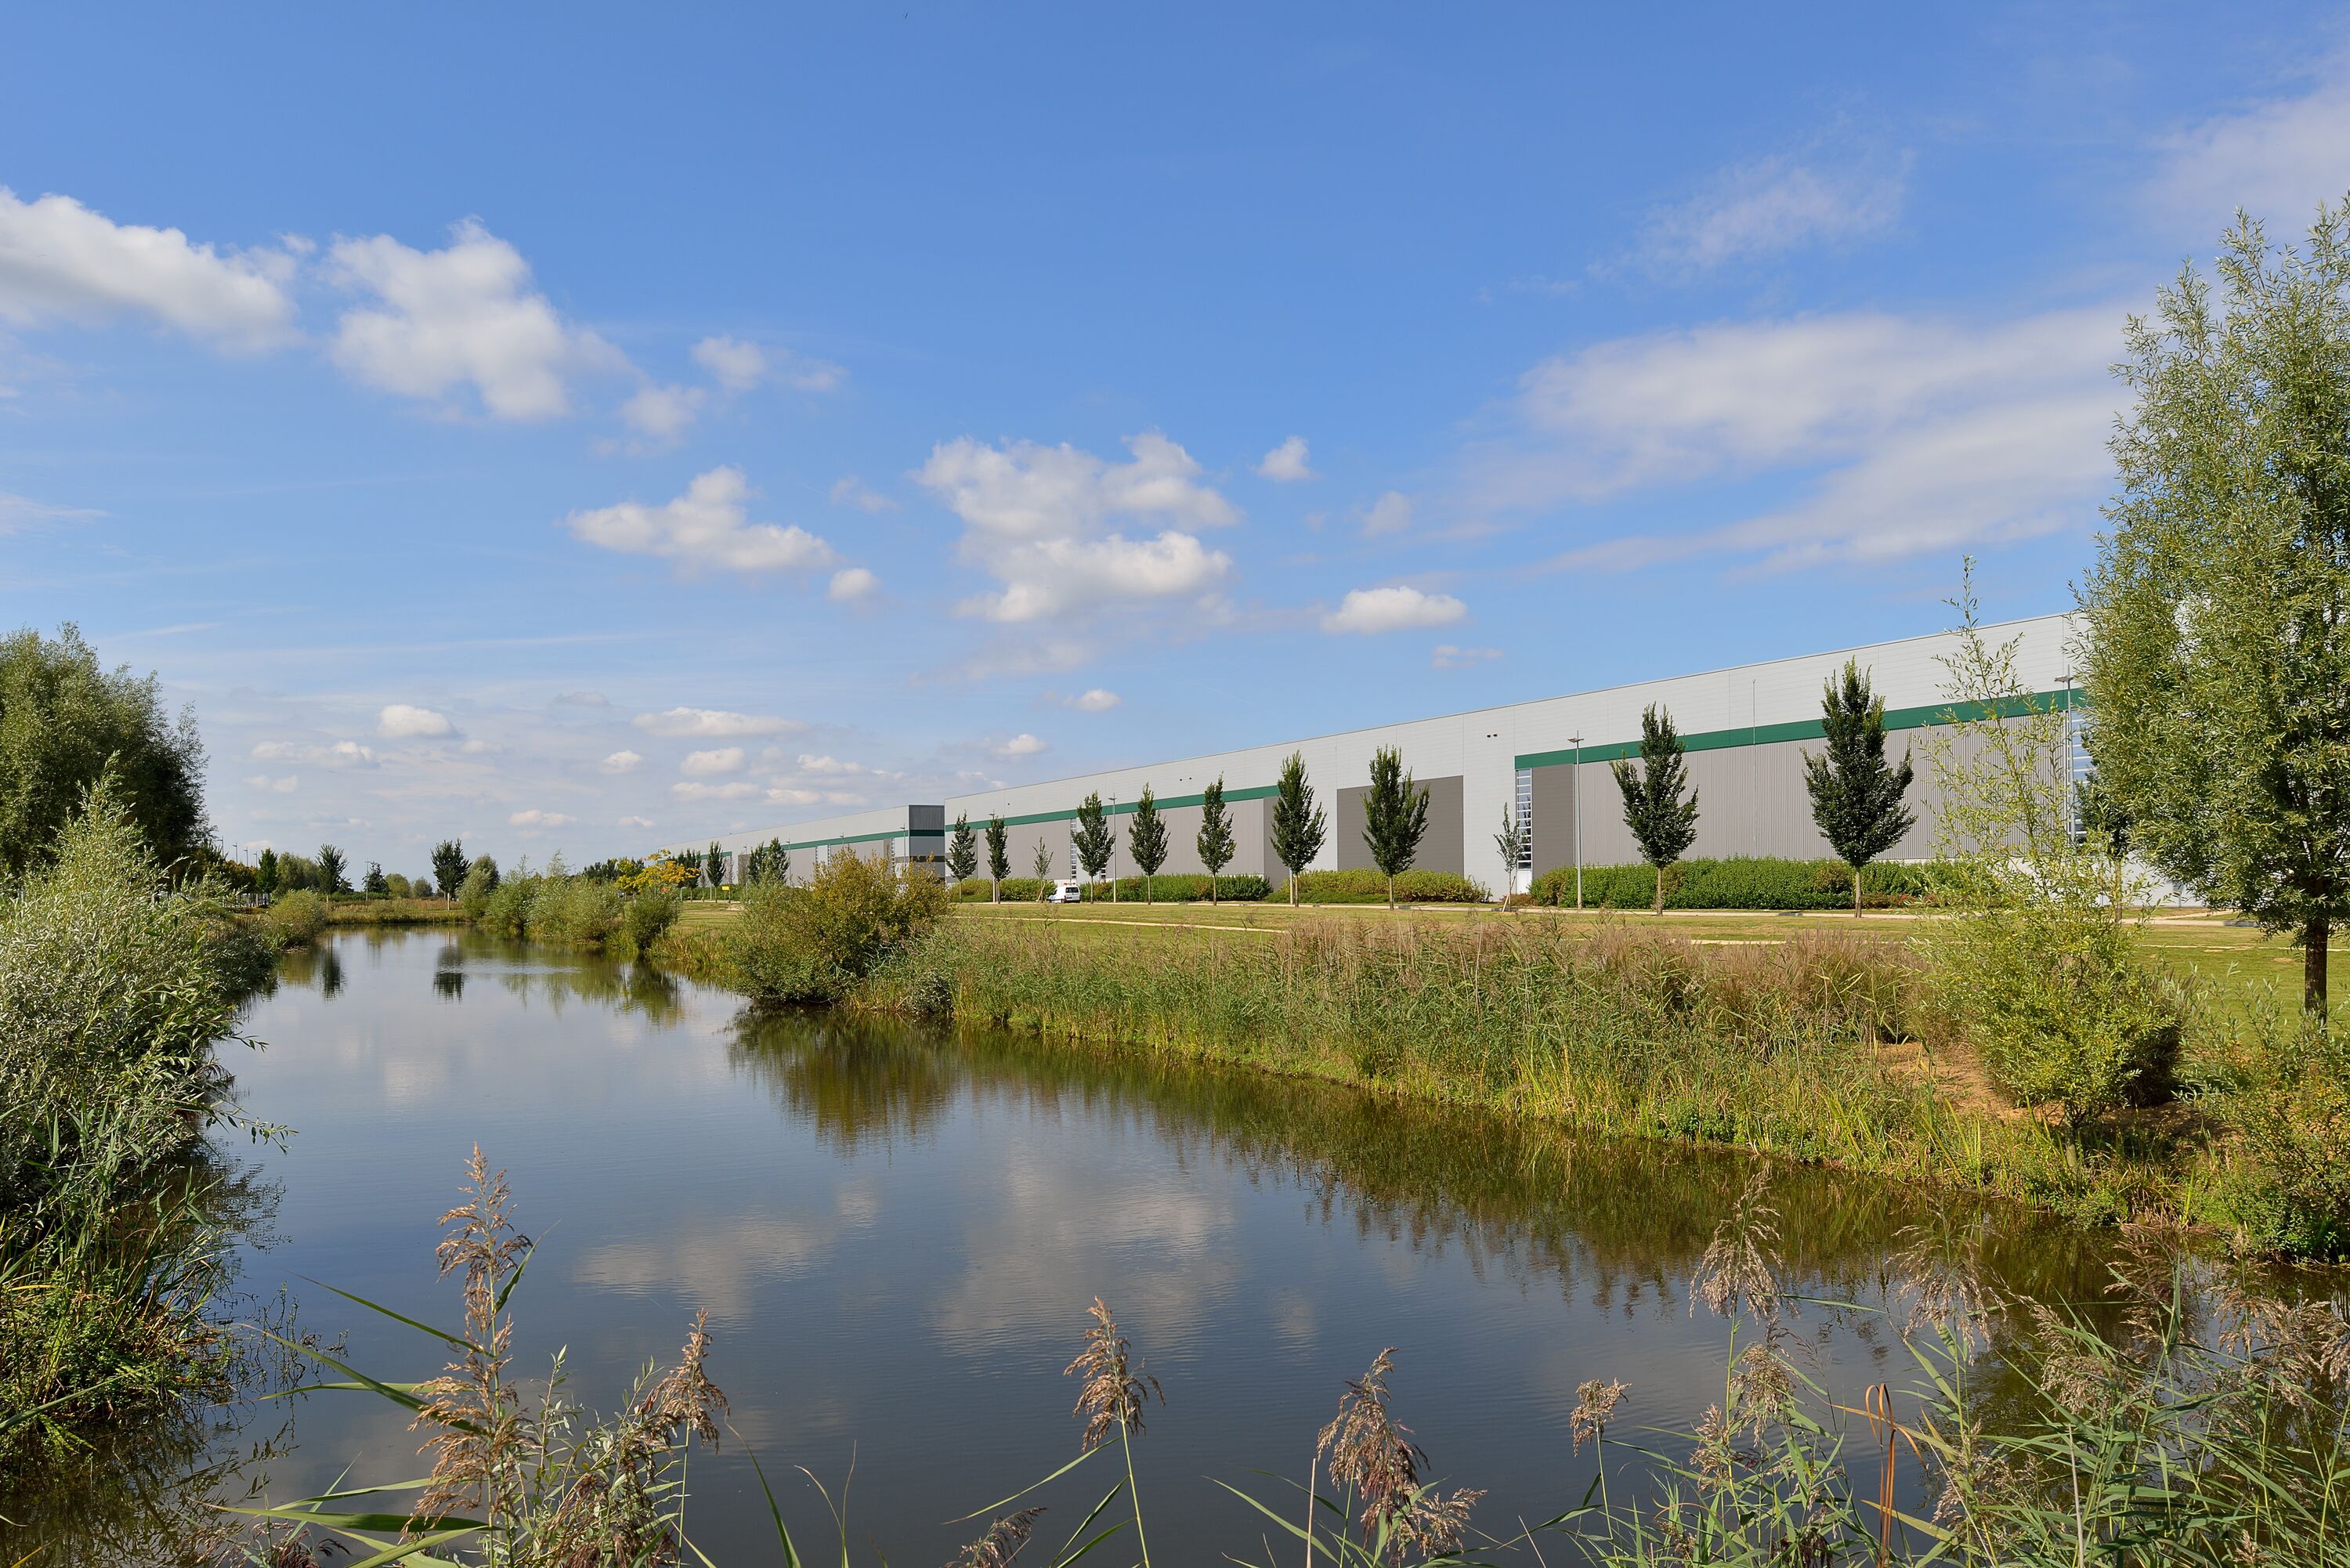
1179,888
1367,887
1022,889
1737,882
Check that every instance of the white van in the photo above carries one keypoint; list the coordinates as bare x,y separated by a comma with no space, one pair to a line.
1070,891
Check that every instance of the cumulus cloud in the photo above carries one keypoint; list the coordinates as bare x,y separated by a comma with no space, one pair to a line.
2276,158
400,722
662,413
694,790
634,822
851,491
1095,700
850,585
622,762
732,363
340,755
464,315
1901,433
709,527
1390,514
59,261
286,785
1367,611
1775,204
1287,463
1035,517
713,723
1023,745
717,759
534,817
1447,657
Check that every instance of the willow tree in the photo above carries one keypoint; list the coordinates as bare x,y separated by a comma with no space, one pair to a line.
1856,792
1663,823
1215,843
2218,665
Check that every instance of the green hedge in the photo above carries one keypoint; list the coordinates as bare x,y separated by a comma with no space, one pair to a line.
1177,888
1741,882
1369,887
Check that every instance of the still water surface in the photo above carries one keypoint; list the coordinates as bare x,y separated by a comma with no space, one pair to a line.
896,1233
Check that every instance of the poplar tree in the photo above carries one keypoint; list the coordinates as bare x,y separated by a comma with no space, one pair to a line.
1094,838
1147,836
1395,816
999,859
449,866
1855,795
2218,654
1663,825
1215,841
1298,824
713,863
962,851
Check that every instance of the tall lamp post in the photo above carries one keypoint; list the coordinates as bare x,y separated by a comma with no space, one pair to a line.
1113,848
1576,742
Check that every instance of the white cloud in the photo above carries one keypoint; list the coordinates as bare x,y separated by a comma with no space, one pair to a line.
738,790
850,585
534,817
479,747
341,755
2276,159
1390,514
1095,700
622,762
1034,517
1397,608
634,822
1023,745
788,796
717,759
662,413
851,491
1777,205
1447,657
714,723
1287,463
583,699
831,765
812,375
734,364
286,785
707,527
464,315
60,261
399,722
1903,434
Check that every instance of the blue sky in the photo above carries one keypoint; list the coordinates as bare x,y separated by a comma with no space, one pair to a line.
586,427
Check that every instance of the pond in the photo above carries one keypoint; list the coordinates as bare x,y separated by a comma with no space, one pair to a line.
896,1232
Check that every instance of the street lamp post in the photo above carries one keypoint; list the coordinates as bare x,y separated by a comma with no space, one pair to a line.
1111,821
1576,742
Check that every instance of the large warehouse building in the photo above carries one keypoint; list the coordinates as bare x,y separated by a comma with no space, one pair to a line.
1746,730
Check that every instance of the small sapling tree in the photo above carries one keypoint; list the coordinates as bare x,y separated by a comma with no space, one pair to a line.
448,867
999,859
1095,839
1299,826
1510,845
1663,825
1395,816
1215,842
962,851
1043,865
1147,836
1856,795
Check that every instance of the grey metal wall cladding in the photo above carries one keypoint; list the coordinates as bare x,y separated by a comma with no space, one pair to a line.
1441,848
927,818
1751,800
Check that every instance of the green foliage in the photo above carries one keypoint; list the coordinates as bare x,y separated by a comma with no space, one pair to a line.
293,919
450,867
1367,887
1043,864
64,722
2284,1100
474,892
1298,826
1095,838
644,920
2036,962
331,870
1183,889
999,855
1737,882
1856,794
2218,660
770,862
264,872
962,849
1511,846
1663,823
1215,843
396,886
375,884
1147,836
1395,816
713,864
573,911
812,943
